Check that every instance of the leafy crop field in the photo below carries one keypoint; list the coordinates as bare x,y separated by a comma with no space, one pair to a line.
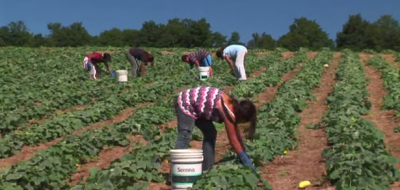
329,117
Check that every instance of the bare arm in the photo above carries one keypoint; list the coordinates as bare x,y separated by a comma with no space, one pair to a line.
252,129
231,129
107,66
230,62
143,69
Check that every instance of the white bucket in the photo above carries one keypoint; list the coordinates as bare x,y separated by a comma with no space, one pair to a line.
122,75
186,167
204,73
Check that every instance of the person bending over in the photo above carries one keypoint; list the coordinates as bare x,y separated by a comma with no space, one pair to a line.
201,106
91,63
200,58
134,55
234,55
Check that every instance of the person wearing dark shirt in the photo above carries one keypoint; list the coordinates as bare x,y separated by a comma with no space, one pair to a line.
201,58
136,54
92,60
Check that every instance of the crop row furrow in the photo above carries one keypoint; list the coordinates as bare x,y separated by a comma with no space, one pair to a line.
75,149
391,81
357,158
158,145
277,123
156,148
61,125
66,96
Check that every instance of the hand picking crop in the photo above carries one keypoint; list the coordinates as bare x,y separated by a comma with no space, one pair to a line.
136,54
201,106
200,58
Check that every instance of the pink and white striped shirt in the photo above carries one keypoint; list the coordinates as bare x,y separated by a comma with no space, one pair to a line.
200,102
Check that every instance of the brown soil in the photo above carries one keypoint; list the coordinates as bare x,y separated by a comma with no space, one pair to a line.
166,52
222,144
263,53
287,55
28,152
305,163
311,55
391,59
57,113
104,159
384,120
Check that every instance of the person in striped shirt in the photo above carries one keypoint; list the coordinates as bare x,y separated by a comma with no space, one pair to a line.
200,58
201,106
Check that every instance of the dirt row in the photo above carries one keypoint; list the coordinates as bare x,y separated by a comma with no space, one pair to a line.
385,120
82,107
28,152
108,155
389,57
222,144
306,163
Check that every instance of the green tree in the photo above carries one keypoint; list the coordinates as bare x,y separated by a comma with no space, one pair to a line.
15,34
388,33
235,38
172,33
354,34
305,33
130,37
74,35
200,33
218,39
263,41
149,34
111,37
40,40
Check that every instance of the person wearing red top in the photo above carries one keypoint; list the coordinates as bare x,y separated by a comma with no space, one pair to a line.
92,60
201,106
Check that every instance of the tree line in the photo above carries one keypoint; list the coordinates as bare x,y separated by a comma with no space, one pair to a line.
356,34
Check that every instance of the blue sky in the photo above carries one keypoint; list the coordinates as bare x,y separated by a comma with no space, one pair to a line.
246,17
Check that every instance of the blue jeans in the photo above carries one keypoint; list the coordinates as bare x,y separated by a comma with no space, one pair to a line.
185,129
88,67
206,62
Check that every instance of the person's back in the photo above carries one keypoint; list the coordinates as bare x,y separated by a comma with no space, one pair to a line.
95,57
200,102
137,52
233,49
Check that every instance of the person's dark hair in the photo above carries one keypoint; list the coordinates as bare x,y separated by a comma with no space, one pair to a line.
244,110
184,57
106,57
150,58
220,51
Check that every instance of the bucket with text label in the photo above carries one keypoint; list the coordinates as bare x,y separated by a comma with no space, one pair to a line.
204,73
186,167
